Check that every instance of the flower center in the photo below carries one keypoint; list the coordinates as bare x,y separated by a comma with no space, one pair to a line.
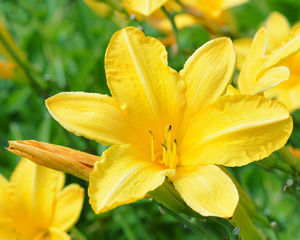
167,152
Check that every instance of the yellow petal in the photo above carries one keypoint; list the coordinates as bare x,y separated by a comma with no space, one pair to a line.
91,115
68,207
56,234
253,63
280,54
210,9
122,176
271,78
278,28
207,73
295,30
236,130
33,190
4,198
241,47
52,234
6,230
163,24
289,95
77,163
231,90
232,3
100,8
147,90
144,7
260,70
207,190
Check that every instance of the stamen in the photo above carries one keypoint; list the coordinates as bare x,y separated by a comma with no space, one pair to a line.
174,159
168,154
164,156
168,140
164,145
152,146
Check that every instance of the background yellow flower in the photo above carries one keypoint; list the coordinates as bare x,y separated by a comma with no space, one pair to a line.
270,62
34,204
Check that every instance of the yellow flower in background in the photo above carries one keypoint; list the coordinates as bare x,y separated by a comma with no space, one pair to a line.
143,7
211,9
100,8
265,62
159,20
105,10
34,204
7,40
12,67
295,152
167,124
212,14
7,69
188,12
287,92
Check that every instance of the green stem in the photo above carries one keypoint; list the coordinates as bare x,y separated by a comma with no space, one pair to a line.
118,20
127,231
290,158
224,223
242,221
171,18
246,202
115,4
77,234
272,162
166,195
196,229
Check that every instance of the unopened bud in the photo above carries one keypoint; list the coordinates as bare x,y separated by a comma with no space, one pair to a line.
77,163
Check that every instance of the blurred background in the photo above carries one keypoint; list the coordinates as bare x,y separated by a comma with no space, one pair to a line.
64,43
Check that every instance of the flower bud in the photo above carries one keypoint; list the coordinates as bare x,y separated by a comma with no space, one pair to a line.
77,163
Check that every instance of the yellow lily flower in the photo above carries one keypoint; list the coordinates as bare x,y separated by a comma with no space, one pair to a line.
270,62
33,204
168,124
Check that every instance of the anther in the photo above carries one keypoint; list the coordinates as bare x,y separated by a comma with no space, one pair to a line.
163,144
152,146
174,157
151,133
